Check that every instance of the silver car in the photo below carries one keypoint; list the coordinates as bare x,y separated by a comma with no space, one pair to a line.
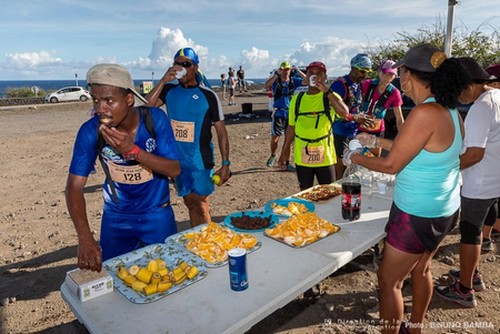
72,93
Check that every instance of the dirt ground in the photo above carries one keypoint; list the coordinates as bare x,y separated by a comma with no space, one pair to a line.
38,241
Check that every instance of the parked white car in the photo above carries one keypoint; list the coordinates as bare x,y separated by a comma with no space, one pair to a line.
72,93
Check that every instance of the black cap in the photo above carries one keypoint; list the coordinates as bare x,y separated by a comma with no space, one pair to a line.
475,70
423,57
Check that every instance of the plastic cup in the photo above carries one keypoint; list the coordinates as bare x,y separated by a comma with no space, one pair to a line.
181,73
312,80
366,178
382,185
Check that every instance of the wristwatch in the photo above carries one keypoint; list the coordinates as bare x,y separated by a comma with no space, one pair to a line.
132,154
226,163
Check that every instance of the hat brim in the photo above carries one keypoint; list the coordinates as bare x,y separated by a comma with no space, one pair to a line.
398,64
390,71
321,68
139,99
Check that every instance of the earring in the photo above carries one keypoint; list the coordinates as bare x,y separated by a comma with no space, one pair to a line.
402,86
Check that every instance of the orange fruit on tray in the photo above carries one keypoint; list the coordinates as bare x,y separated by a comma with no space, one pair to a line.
302,229
213,241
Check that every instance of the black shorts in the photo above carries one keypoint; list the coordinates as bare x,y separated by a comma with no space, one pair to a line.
278,125
305,175
413,234
478,212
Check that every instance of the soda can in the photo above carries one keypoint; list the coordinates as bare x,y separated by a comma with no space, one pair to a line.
238,269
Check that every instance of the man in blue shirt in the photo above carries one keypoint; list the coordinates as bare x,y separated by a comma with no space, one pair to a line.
193,108
349,88
283,86
137,164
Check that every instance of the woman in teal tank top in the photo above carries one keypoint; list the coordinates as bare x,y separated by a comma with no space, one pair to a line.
425,158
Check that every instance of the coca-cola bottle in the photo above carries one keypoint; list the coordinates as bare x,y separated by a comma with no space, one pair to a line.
351,197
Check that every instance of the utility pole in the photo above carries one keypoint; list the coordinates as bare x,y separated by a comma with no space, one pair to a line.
449,28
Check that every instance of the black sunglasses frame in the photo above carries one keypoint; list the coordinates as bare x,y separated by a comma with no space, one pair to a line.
185,64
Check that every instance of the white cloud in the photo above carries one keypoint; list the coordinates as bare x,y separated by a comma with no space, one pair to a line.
224,33
32,59
333,51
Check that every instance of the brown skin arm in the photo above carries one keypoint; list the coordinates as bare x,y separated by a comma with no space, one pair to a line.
223,140
269,82
398,114
153,97
89,251
123,143
335,100
471,157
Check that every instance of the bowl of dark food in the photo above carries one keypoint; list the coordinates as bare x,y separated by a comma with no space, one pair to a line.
251,221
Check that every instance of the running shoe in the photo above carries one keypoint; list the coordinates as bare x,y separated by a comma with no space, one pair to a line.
270,162
452,293
477,279
487,245
290,168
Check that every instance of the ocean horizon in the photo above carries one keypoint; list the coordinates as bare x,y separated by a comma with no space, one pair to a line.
53,85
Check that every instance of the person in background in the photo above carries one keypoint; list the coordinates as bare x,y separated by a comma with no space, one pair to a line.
349,88
193,109
241,79
491,229
137,164
481,182
223,86
231,84
378,96
283,87
297,74
425,158
309,127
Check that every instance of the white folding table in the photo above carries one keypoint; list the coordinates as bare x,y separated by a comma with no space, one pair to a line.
277,274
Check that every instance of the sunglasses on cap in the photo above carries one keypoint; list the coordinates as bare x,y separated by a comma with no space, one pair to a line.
185,64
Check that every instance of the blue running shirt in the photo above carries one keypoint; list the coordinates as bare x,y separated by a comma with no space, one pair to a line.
192,111
139,189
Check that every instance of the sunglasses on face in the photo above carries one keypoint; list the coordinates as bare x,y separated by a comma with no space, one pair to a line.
362,70
185,64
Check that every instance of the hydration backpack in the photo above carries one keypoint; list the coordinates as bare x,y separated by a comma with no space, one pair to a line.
367,103
326,111
279,89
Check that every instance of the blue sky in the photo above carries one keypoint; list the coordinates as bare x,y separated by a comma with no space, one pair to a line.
54,39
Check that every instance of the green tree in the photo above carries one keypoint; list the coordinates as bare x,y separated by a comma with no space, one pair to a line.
23,92
478,44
